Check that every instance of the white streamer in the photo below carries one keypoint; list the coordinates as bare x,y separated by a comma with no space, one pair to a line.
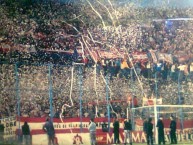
71,85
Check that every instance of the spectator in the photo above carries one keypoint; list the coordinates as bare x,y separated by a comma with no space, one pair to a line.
104,127
1,131
173,131
48,127
160,126
26,134
134,102
127,126
149,132
124,69
116,131
145,123
191,71
92,130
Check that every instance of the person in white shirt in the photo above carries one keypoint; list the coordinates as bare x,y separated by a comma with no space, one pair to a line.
173,72
191,71
181,75
181,67
92,130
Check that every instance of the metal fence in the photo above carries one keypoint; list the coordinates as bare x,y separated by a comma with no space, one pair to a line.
42,90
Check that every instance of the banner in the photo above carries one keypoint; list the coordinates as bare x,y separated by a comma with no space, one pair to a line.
139,56
109,54
10,127
150,102
70,133
183,57
165,57
24,48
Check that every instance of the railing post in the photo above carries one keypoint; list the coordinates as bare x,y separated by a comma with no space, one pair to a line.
107,100
50,90
80,94
17,89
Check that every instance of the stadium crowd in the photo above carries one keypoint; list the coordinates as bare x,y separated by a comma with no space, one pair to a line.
58,28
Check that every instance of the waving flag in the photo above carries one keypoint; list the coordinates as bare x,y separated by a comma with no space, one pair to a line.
139,56
153,55
165,57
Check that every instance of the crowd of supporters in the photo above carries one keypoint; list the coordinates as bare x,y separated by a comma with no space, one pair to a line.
57,28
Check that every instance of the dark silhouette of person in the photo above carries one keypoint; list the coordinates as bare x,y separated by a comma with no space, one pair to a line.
26,133
48,127
104,127
1,131
145,125
149,132
160,126
116,131
173,131
127,126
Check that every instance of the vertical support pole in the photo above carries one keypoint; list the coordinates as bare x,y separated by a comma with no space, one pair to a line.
179,100
156,115
127,112
179,88
95,88
107,100
156,86
50,90
155,123
17,89
132,107
80,95
156,93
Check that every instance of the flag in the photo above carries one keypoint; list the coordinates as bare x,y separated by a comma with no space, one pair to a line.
153,56
110,54
182,57
153,101
165,57
139,56
145,101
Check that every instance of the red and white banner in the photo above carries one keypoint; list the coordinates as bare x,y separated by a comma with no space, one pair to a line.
150,102
183,57
165,57
68,132
4,48
139,56
109,54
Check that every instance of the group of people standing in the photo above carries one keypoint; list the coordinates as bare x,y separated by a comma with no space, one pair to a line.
148,129
160,126
127,126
